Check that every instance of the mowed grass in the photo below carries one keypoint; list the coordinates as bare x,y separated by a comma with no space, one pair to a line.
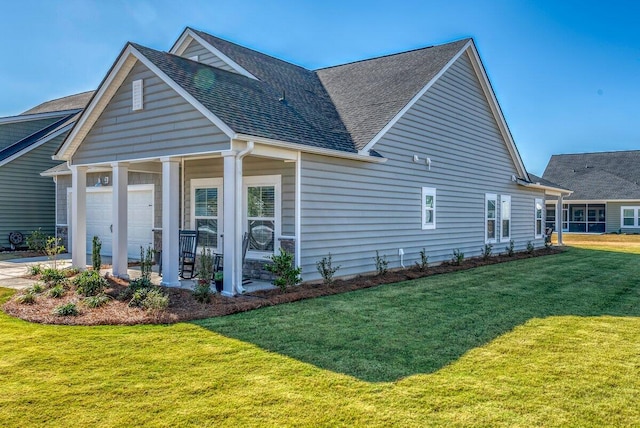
552,341
608,242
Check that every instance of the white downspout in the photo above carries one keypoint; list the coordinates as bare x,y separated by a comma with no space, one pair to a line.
239,216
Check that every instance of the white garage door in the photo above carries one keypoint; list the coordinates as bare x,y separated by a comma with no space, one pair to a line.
140,219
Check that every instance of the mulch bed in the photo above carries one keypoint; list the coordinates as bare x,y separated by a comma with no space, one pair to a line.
183,307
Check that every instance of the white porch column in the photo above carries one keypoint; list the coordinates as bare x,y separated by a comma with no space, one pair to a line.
119,219
170,220
79,219
559,219
230,239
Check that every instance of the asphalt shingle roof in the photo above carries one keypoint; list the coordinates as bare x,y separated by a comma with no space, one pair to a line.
35,137
597,176
71,102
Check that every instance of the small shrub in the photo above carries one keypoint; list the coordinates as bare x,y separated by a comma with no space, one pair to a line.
423,264
326,269
96,301
382,264
138,297
57,291
146,262
510,248
36,241
34,270
69,309
486,251
52,275
205,270
202,291
90,283
71,271
135,285
36,288
156,300
96,259
28,298
286,274
53,248
530,247
458,257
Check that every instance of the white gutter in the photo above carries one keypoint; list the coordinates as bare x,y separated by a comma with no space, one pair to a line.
238,256
555,191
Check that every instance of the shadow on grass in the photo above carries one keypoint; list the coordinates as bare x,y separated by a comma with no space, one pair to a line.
397,330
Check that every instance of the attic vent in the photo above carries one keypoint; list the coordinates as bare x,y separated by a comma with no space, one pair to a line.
194,58
137,95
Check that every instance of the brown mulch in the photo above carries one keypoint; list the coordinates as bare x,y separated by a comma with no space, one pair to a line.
183,307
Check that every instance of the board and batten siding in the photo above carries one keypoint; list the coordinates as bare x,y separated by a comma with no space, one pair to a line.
13,132
252,166
205,56
167,125
27,198
351,209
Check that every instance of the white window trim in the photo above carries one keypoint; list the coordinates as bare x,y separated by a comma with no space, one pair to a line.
204,183
636,214
490,197
428,191
264,180
505,198
137,95
538,201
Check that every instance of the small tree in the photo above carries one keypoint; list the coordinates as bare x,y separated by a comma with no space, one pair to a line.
146,263
326,269
286,274
96,259
423,264
53,248
381,263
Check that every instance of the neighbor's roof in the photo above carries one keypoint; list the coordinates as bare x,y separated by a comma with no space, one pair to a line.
597,176
71,102
369,93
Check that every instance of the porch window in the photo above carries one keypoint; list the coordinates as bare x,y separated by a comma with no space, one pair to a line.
262,214
538,218
428,208
505,216
491,205
206,208
630,216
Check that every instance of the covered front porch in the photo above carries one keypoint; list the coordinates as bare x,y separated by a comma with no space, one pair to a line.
252,188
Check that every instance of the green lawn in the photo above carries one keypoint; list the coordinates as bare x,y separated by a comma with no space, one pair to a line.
552,341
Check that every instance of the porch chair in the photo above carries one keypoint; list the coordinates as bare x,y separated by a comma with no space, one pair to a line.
188,242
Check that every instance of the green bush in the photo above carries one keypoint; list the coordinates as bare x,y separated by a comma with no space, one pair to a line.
156,300
28,298
286,274
34,270
52,276
326,269
90,283
69,309
423,264
36,241
36,288
458,257
96,301
486,251
510,248
202,291
96,259
381,264
530,247
57,291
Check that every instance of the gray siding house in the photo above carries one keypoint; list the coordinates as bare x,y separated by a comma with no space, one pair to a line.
391,154
606,191
27,143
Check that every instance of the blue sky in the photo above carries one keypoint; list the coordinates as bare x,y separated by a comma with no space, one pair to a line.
566,73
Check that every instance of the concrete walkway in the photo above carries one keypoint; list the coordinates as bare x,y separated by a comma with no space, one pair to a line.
13,272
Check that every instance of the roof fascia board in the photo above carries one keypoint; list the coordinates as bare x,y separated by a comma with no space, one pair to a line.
183,42
413,100
37,116
495,108
310,149
115,78
40,142
555,191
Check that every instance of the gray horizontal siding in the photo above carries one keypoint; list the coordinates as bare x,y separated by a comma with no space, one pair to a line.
352,209
28,199
253,166
614,212
205,56
13,132
167,125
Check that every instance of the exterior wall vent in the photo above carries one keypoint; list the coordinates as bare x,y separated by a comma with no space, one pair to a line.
137,95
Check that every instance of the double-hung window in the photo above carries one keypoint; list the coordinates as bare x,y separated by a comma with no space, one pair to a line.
539,219
505,218
262,214
428,208
206,211
629,217
491,212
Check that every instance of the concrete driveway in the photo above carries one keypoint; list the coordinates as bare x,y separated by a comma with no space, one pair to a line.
13,272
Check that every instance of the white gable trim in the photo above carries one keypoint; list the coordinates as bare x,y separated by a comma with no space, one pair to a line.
107,90
488,91
188,35
37,144
396,118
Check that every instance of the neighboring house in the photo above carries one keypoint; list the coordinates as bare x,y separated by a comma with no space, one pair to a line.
27,143
391,154
606,191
